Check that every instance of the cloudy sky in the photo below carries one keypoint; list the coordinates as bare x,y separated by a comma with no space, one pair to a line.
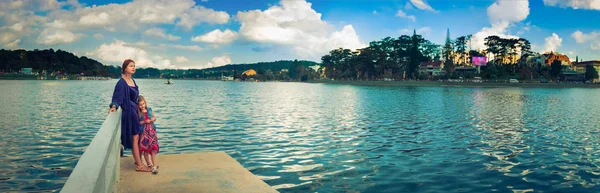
207,33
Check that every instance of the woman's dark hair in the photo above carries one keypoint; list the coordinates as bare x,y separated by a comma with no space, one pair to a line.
125,64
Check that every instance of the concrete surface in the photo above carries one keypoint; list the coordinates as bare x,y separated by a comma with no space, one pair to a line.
97,170
211,172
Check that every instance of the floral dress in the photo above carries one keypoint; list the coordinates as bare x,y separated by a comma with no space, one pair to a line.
148,139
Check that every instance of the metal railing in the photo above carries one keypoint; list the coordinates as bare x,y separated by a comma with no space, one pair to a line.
98,168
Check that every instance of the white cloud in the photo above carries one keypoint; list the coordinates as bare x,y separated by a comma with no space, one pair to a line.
552,43
401,14
216,37
48,4
296,24
52,36
592,38
508,11
572,55
575,4
7,37
98,36
138,13
18,27
192,48
422,5
200,14
118,51
219,61
525,28
501,14
181,59
408,6
14,44
146,45
99,19
374,12
159,32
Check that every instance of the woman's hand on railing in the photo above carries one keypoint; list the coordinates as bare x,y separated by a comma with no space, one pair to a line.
112,109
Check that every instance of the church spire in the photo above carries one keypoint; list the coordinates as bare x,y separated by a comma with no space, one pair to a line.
448,41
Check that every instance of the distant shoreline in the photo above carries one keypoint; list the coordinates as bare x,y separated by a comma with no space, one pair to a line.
394,83
456,84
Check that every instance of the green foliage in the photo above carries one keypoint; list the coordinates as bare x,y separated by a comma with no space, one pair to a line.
590,72
49,62
555,68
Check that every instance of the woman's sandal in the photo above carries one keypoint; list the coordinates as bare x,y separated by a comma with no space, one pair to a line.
142,169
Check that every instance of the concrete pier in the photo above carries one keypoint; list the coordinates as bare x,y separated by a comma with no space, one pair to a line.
209,172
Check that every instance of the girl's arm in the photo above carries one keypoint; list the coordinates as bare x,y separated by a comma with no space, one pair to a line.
151,113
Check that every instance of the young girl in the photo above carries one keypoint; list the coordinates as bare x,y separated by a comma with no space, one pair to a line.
148,139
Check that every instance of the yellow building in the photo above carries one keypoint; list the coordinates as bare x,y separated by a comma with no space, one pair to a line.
580,66
250,72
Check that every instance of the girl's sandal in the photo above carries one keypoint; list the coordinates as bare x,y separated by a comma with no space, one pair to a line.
155,170
142,169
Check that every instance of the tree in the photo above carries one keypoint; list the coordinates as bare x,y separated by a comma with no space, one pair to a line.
555,68
448,56
525,73
461,47
415,55
431,51
590,72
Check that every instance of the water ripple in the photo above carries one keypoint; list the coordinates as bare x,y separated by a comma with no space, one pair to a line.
324,138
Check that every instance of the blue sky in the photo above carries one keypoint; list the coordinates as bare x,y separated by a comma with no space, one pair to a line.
208,33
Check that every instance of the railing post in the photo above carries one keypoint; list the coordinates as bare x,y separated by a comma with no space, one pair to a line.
98,168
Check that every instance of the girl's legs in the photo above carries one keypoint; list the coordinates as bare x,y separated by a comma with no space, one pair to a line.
154,154
136,153
147,157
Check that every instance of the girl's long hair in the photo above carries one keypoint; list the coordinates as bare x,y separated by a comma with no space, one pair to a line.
140,99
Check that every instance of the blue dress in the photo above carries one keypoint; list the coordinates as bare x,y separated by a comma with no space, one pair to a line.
126,97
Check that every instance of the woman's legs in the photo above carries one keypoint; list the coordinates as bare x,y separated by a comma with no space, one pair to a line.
136,151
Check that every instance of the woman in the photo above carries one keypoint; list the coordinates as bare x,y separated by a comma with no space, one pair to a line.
126,96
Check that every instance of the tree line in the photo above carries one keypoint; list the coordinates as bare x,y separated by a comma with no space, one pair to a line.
50,62
399,58
62,63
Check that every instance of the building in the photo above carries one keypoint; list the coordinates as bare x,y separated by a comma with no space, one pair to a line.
465,70
27,71
549,57
572,76
431,69
580,66
534,60
250,72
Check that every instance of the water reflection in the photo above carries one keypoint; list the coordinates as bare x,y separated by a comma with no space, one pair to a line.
324,138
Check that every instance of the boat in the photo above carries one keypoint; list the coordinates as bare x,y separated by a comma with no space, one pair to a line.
170,81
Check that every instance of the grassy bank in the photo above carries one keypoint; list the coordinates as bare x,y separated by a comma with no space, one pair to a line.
457,84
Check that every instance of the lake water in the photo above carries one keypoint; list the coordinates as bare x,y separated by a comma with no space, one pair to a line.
301,137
